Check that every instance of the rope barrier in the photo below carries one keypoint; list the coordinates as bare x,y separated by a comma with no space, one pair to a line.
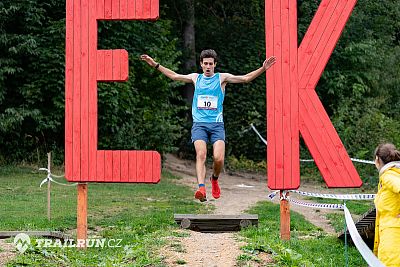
311,160
50,176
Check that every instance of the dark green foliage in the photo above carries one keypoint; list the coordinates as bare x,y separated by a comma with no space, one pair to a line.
138,114
359,88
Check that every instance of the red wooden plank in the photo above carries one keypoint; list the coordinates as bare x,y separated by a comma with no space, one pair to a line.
115,10
318,22
123,9
347,175
155,7
76,173
69,88
116,166
294,100
140,165
147,8
286,97
92,91
270,51
107,9
100,166
156,167
139,9
315,152
124,65
124,166
280,179
148,169
132,166
108,166
331,43
100,9
116,65
84,90
108,65
318,134
319,44
101,65
131,9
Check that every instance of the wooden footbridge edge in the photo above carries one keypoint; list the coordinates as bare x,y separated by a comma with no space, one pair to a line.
210,223
365,227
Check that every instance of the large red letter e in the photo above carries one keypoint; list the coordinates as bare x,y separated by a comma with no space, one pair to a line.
85,65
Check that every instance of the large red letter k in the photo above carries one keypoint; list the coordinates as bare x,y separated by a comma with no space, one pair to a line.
292,103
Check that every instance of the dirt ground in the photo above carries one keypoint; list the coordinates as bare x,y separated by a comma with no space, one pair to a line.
7,252
239,192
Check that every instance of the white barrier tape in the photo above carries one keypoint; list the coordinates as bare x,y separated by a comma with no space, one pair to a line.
337,196
311,160
50,179
317,205
364,250
329,196
259,135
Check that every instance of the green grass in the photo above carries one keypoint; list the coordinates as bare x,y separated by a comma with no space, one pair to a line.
308,246
141,215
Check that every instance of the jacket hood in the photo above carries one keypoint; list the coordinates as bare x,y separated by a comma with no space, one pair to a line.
394,165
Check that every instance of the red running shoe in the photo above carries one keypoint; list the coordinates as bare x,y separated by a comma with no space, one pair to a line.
215,190
201,194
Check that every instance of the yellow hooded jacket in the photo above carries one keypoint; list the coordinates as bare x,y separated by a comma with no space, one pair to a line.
387,224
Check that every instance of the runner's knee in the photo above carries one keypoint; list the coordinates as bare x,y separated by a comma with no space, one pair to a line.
219,159
201,156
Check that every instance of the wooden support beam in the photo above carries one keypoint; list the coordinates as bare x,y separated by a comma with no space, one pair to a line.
82,215
49,188
285,216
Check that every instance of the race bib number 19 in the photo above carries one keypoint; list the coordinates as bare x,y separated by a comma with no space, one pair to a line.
207,102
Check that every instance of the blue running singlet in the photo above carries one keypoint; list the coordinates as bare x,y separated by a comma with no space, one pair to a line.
208,99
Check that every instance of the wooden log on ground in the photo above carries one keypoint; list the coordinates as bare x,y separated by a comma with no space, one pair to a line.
210,223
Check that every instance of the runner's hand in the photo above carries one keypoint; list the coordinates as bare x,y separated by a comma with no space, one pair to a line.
148,60
269,62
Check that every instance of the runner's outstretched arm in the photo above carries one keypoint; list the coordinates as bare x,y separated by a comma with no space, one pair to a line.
190,78
229,78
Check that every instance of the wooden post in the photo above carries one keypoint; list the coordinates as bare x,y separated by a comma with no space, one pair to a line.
49,187
82,215
285,216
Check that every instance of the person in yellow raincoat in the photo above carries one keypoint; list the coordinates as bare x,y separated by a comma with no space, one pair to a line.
387,202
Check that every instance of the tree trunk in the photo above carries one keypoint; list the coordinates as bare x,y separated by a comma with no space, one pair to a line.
189,55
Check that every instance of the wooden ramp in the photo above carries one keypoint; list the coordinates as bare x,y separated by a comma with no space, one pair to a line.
365,227
216,223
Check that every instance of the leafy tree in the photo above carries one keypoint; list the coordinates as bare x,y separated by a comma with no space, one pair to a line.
131,115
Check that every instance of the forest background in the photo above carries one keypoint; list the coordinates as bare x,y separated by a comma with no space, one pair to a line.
360,87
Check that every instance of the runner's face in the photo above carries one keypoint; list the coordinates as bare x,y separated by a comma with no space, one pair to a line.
208,66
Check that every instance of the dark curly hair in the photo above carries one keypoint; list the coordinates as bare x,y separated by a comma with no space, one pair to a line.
209,53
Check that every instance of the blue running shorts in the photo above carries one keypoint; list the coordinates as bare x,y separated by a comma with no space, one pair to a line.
208,131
